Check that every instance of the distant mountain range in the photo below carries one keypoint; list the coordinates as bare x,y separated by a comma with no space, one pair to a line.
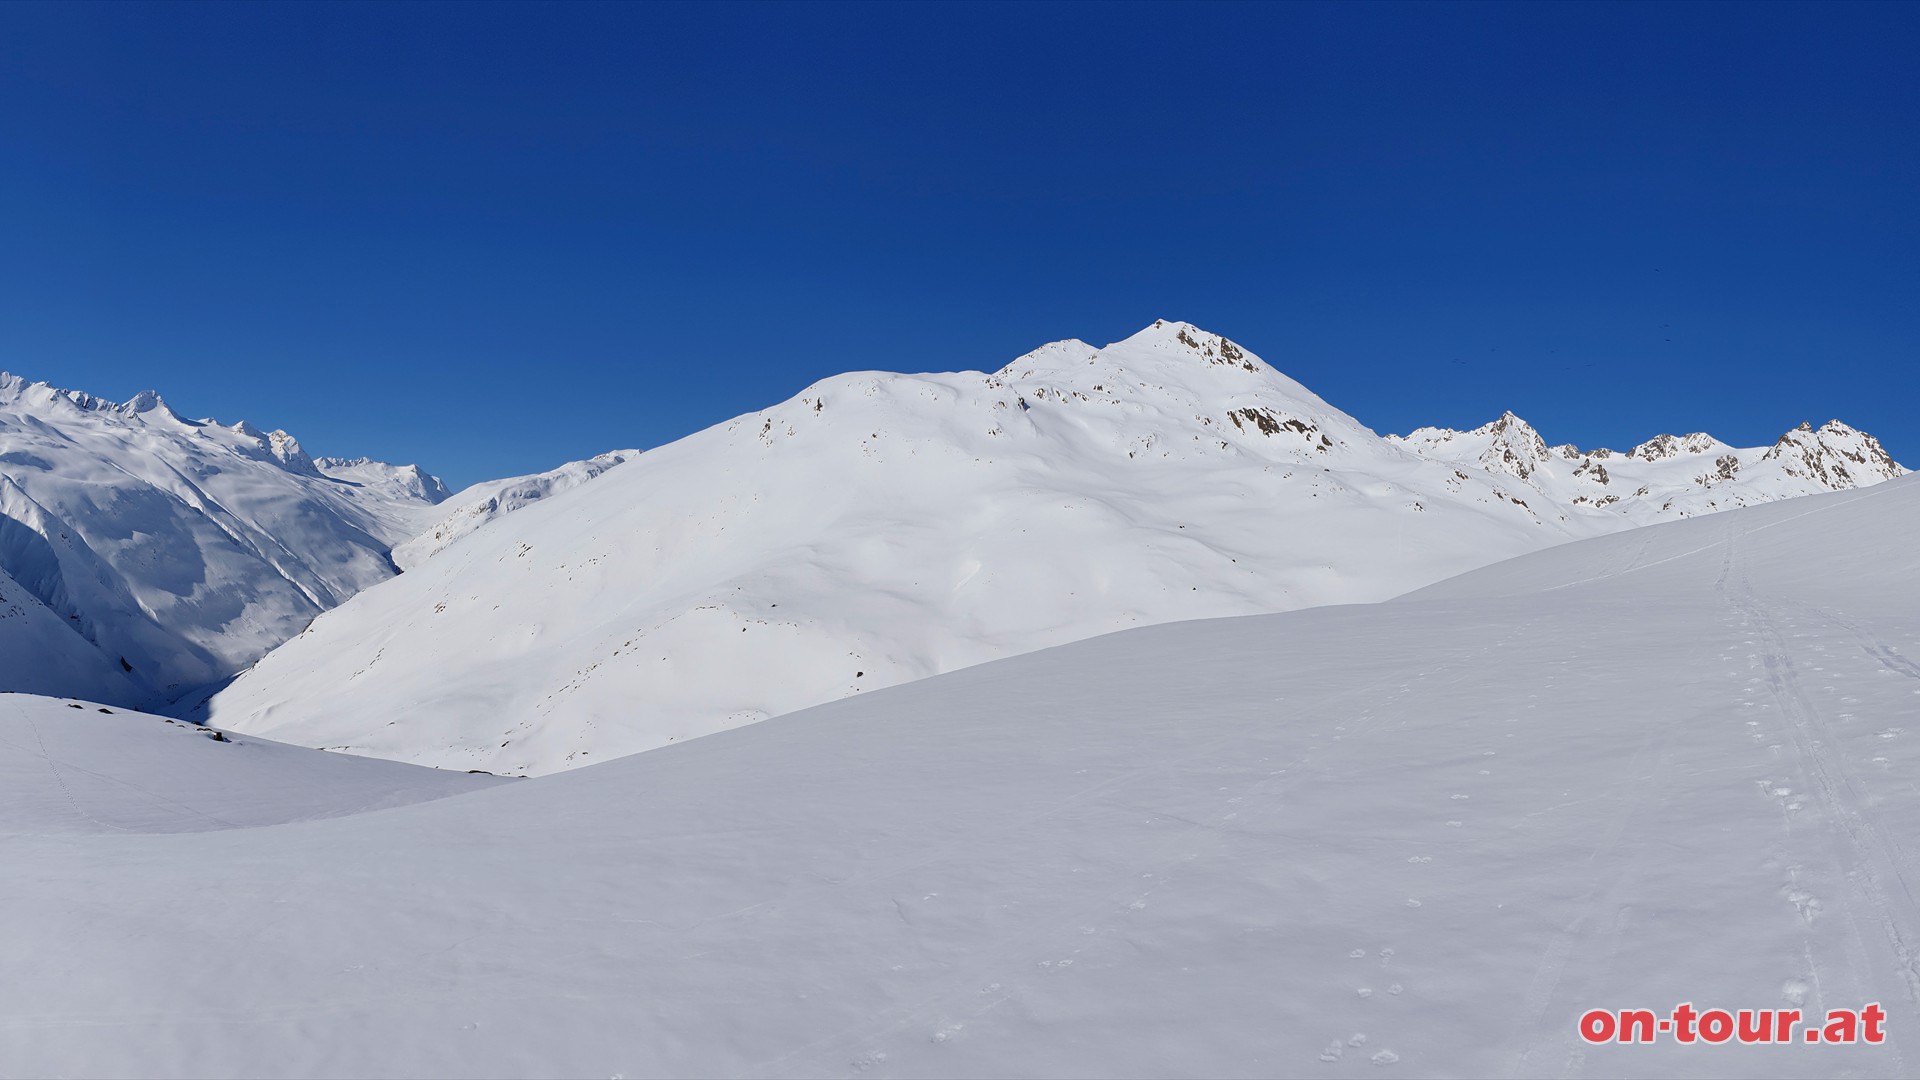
177,551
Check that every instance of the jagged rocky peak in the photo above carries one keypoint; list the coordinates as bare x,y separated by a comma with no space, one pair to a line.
144,405
15,388
286,450
1514,428
1516,447
1662,447
1512,446
1836,455
1658,448
277,445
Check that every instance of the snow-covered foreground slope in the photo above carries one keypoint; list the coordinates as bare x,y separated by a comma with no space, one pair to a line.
70,766
181,550
1418,837
880,528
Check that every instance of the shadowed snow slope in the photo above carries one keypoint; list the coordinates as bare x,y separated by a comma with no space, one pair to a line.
39,655
1662,766
880,528
180,550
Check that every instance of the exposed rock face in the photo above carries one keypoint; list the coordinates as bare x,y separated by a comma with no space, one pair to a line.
1835,455
1671,476
1662,447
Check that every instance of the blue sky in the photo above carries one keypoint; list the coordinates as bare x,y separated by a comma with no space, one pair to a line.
493,238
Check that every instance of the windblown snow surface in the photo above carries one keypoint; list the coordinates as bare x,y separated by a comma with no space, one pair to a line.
880,528
1669,765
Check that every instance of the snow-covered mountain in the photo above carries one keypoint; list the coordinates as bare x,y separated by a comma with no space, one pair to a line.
177,550
1666,476
879,528
39,654
1412,838
490,500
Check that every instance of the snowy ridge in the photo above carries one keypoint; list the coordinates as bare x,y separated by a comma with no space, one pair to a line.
401,483
180,550
1413,838
879,528
490,500
1666,476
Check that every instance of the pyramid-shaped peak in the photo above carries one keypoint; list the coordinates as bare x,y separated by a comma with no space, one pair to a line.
1511,429
287,451
1514,448
149,404
1187,341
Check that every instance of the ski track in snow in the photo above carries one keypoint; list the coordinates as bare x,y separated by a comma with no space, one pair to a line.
1867,858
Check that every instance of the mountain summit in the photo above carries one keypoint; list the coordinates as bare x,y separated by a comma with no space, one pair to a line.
881,527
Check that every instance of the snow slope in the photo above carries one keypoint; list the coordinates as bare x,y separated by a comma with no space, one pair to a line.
185,548
1418,837
880,528
488,501
39,655
72,766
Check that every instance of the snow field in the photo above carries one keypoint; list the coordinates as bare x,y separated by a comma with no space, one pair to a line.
1415,837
